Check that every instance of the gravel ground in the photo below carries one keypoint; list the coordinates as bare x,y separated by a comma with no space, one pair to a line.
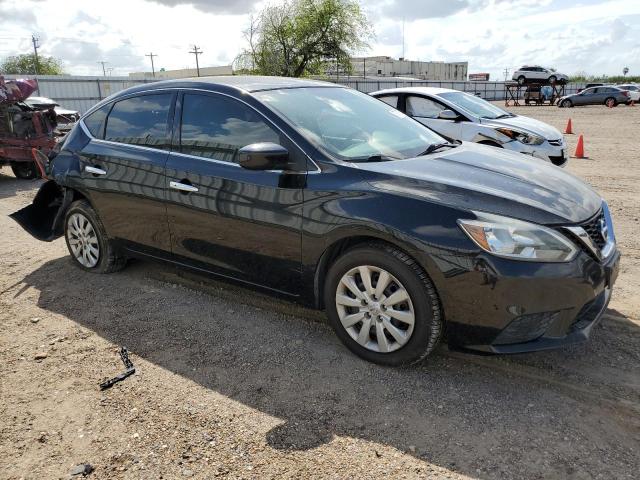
233,384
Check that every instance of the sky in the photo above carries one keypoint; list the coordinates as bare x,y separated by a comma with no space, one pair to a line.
590,36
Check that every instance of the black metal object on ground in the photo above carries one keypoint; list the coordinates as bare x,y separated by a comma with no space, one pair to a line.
130,370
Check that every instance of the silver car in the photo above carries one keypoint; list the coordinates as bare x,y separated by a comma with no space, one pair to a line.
606,95
538,74
461,116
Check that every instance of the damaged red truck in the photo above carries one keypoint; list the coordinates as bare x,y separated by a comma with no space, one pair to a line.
24,130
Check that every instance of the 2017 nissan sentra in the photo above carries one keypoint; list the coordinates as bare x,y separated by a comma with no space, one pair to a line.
327,196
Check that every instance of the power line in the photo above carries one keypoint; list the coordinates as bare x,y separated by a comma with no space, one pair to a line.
151,55
196,51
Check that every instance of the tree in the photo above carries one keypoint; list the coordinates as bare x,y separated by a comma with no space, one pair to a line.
299,37
26,64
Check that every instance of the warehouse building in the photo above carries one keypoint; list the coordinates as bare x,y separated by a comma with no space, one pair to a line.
390,67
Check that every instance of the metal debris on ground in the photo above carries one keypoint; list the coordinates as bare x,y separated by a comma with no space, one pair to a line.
130,370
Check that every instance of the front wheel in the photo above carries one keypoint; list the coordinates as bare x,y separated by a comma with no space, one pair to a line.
553,79
566,104
87,240
383,306
24,170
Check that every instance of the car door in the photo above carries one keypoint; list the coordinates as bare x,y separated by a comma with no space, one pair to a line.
122,167
223,218
426,111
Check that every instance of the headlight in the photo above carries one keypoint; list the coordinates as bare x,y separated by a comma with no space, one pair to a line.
511,238
522,137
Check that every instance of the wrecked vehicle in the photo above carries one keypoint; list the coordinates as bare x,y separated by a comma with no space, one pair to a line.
65,118
326,196
24,128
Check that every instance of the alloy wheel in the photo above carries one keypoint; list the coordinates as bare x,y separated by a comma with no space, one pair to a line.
375,308
83,240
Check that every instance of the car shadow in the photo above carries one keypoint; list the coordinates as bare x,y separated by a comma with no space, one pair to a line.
10,185
486,417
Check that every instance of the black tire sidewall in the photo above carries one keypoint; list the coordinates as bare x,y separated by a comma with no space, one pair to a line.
18,168
83,208
415,348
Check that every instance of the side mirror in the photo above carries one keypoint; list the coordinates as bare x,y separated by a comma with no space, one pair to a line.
448,115
263,156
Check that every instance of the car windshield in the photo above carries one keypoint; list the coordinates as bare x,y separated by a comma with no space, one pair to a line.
349,125
475,105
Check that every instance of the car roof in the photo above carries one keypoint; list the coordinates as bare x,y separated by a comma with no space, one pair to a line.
244,83
416,90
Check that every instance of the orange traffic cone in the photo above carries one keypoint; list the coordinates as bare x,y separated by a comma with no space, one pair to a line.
568,130
579,153
633,103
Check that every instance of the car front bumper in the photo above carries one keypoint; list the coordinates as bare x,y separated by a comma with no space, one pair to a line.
505,306
554,152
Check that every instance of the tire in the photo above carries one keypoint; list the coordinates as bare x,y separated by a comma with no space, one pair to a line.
553,79
405,276
566,104
24,170
611,102
89,246
522,80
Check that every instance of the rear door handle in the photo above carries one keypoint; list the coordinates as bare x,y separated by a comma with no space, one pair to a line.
95,170
183,187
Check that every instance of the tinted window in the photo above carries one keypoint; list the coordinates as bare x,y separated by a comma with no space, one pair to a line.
390,100
140,121
217,127
95,121
423,107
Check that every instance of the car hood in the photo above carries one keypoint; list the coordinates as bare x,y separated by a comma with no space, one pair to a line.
526,124
489,179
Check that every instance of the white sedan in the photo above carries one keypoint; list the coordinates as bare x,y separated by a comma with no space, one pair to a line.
460,116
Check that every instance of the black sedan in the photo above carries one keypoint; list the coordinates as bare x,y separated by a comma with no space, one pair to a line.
329,197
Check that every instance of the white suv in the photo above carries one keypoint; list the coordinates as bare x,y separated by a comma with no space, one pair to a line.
537,74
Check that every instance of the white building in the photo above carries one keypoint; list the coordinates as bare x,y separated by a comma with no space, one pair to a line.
185,73
390,67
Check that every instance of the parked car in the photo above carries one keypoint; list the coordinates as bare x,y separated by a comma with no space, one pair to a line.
608,95
23,128
326,196
538,74
461,116
634,91
64,117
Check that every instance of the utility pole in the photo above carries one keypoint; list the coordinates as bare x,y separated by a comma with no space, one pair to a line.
402,38
196,51
364,68
35,40
153,70
104,71
506,74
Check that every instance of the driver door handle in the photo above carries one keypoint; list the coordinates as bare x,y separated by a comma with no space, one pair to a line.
183,187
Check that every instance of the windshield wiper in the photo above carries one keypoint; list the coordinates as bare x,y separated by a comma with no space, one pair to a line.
505,115
437,146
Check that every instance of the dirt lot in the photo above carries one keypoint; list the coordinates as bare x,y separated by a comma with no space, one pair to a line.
233,384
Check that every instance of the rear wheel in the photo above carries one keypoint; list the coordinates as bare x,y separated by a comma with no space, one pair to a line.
522,80
553,79
24,170
383,306
87,240
610,102
566,104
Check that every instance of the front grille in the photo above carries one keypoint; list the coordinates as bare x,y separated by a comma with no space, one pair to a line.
594,228
557,143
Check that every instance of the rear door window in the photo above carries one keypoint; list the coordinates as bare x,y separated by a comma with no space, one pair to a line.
423,107
141,120
391,100
217,127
